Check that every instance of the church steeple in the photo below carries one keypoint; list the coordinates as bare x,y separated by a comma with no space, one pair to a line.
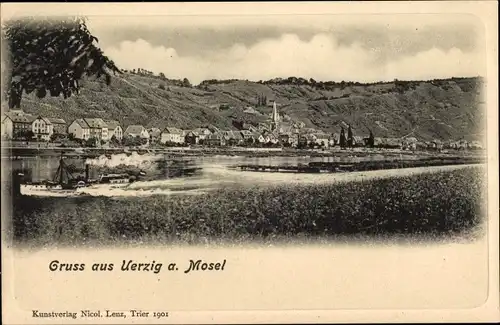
275,118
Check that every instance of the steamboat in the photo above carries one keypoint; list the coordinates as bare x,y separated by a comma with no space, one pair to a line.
65,182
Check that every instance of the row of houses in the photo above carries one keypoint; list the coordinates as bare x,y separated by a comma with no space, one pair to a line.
18,123
96,128
304,138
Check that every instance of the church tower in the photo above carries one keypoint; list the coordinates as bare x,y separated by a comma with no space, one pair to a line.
274,118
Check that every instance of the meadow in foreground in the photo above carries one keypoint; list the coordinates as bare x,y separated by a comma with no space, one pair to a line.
431,205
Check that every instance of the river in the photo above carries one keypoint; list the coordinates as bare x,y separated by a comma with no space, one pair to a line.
213,171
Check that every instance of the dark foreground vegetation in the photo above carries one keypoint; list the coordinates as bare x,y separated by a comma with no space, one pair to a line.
433,206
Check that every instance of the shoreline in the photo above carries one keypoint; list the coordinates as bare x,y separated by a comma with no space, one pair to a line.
24,152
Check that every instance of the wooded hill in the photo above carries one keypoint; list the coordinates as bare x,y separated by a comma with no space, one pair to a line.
438,109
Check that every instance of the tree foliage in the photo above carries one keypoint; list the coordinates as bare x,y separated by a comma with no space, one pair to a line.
186,83
371,140
134,141
262,100
91,142
24,134
50,56
350,137
342,140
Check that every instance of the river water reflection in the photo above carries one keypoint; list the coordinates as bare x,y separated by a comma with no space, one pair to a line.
43,168
212,172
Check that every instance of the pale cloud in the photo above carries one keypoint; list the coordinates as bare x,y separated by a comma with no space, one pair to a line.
321,57
436,63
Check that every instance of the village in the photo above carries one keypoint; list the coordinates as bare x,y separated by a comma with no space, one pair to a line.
24,129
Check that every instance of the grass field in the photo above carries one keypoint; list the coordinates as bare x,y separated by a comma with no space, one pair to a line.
434,205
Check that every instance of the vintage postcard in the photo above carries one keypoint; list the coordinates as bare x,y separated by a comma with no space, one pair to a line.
196,163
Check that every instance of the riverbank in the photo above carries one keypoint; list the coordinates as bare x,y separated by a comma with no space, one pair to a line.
433,205
335,167
19,152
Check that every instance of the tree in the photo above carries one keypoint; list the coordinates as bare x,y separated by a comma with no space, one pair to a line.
91,142
54,137
262,100
24,134
50,56
186,83
342,140
249,141
371,140
161,86
29,134
114,140
350,138
134,141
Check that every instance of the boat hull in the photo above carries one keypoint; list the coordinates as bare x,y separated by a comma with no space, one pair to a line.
40,187
49,190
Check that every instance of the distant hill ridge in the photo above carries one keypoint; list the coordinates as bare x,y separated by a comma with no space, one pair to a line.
435,109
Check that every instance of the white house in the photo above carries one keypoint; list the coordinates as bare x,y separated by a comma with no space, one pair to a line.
172,135
16,123
7,127
322,139
98,128
476,145
203,132
59,125
80,129
114,129
136,131
154,134
409,143
42,128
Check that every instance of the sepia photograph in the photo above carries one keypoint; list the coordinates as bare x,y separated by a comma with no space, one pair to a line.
130,131
119,132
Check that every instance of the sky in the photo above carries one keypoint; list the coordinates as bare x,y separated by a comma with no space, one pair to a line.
364,48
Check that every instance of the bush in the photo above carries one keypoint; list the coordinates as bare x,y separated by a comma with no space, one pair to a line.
134,141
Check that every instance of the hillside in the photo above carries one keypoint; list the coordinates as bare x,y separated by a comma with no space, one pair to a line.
442,109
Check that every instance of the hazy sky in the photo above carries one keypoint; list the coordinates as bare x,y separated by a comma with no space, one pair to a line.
335,47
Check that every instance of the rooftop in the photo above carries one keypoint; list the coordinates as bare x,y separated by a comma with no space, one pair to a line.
172,130
155,132
54,120
96,123
20,117
134,129
112,124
